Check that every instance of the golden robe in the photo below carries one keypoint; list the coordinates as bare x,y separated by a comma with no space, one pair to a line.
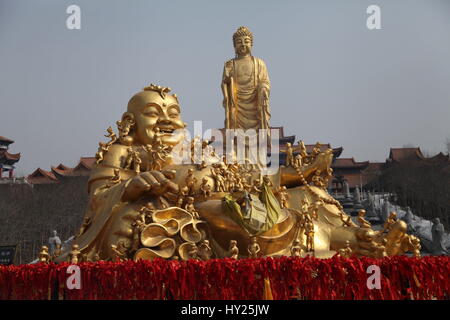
246,94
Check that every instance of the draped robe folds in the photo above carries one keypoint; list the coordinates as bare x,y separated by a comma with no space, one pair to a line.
250,114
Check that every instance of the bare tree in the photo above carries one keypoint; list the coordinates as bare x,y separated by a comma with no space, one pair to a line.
447,145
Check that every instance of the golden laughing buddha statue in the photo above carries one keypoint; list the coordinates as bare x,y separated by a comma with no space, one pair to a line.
221,203
170,231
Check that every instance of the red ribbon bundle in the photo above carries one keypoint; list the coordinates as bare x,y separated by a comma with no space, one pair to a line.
290,278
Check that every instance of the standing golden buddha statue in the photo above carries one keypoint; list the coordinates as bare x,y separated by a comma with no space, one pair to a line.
245,86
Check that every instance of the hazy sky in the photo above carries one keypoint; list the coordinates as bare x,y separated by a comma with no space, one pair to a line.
333,80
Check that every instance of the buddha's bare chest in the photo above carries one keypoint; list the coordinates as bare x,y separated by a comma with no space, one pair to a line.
244,70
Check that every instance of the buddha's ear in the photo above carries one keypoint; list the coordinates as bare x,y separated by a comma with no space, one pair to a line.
128,117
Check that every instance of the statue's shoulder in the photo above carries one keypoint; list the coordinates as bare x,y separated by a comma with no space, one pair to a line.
259,61
113,159
115,154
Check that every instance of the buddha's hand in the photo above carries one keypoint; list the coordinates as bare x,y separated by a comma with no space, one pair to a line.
153,183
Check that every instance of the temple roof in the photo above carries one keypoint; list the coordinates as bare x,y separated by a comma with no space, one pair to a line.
375,166
349,163
440,158
405,154
4,140
41,176
62,170
84,165
9,158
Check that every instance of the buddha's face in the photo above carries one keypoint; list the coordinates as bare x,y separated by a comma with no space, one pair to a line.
243,45
152,114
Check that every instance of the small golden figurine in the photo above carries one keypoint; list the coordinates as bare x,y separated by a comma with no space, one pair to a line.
190,181
117,254
296,250
239,184
289,155
202,165
298,161
102,149
205,188
229,181
391,220
309,233
416,246
137,162
303,152
267,181
111,135
75,254
411,243
345,252
363,223
317,179
182,194
316,150
86,223
114,179
247,185
256,187
233,251
146,212
204,250
283,197
253,248
193,252
142,216
218,179
129,159
124,127
137,227
44,256
328,176
315,210
189,207
57,251
305,206
380,249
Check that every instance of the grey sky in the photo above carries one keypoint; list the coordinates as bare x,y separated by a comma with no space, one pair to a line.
332,79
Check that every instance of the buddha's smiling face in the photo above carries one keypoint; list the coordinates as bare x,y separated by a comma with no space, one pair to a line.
154,115
243,45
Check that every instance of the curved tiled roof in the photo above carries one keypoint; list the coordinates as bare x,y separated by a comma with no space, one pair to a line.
6,140
62,170
402,154
9,158
86,163
41,176
349,163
